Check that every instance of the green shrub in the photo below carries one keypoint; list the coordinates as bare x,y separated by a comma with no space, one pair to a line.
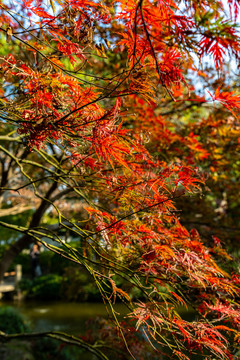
25,285
78,285
45,287
50,263
11,322
45,260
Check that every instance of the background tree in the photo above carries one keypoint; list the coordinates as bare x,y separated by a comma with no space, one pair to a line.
95,109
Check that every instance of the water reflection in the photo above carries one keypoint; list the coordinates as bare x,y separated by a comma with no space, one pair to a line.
72,317
59,316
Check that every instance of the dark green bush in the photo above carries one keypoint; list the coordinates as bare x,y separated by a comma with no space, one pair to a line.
45,287
50,262
45,260
11,322
75,284
78,285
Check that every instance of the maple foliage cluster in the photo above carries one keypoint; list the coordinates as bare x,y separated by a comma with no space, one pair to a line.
91,95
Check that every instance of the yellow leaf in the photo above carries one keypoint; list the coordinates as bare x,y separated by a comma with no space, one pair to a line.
9,33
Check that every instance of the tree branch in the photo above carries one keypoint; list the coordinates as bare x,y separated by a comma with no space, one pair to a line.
60,336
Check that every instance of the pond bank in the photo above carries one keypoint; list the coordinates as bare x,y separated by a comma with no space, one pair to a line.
72,318
62,316
69,316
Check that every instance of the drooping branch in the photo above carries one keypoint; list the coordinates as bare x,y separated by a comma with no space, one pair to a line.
59,336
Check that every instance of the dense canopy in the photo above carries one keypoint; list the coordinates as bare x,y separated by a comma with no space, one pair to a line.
116,118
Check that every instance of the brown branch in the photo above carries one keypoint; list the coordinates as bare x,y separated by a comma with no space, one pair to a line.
60,336
153,52
17,209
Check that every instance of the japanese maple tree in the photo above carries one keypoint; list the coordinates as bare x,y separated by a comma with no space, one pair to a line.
91,96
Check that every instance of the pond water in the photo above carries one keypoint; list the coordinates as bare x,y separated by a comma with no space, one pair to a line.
61,316
71,317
